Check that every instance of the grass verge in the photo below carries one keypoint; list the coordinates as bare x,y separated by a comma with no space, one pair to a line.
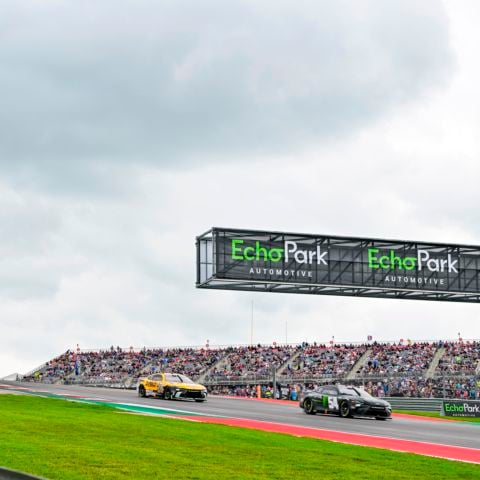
67,440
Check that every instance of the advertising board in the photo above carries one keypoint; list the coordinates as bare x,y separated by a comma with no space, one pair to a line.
461,408
323,264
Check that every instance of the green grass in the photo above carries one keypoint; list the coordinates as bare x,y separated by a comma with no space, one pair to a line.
66,440
437,415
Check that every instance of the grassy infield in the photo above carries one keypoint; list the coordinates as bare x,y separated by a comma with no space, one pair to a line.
65,440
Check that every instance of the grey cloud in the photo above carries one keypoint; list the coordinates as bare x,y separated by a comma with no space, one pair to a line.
99,103
179,81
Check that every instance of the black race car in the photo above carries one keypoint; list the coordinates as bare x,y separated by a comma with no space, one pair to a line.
345,401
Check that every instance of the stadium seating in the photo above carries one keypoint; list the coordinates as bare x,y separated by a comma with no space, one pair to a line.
460,358
252,361
384,369
320,360
399,359
119,365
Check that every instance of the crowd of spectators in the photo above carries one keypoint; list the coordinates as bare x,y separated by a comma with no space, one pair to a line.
400,387
284,392
191,362
324,361
399,359
389,369
420,387
117,364
466,388
460,358
252,361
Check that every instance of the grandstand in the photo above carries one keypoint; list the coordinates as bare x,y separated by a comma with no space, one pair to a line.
323,361
449,369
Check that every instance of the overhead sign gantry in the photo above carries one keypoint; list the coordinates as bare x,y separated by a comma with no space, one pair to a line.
254,260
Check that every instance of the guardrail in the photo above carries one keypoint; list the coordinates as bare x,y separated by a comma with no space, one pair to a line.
418,404
422,404
398,403
328,378
125,384
266,379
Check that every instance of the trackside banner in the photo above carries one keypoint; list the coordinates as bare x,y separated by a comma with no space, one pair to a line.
346,262
461,408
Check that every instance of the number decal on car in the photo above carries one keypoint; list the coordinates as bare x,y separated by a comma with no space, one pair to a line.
329,402
332,403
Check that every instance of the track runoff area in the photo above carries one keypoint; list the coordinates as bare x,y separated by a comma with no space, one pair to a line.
441,438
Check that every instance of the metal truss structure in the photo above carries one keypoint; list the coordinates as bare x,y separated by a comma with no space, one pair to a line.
347,272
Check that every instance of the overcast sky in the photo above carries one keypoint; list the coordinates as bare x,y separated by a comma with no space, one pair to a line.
127,127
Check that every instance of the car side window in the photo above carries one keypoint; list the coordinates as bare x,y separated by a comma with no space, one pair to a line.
156,377
330,391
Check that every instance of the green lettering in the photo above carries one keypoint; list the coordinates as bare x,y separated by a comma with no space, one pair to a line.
382,262
453,407
236,249
391,261
255,253
394,259
372,258
260,251
276,254
409,263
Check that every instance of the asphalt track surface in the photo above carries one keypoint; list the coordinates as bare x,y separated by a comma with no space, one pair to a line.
461,434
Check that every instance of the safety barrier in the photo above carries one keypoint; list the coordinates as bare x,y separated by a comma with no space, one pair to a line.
418,404
125,384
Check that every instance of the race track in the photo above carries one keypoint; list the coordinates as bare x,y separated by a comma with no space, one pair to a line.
441,433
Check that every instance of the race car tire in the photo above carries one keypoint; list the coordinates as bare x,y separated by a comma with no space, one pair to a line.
308,406
344,410
167,394
380,418
141,391
199,400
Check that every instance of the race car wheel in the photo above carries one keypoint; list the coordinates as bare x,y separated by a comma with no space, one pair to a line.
167,394
345,410
380,418
308,406
199,399
141,391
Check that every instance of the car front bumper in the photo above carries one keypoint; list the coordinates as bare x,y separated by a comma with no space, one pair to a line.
184,393
373,411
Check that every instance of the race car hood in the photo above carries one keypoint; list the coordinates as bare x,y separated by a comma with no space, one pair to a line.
376,402
379,403
187,386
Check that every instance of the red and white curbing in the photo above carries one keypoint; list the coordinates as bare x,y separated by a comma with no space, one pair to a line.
447,452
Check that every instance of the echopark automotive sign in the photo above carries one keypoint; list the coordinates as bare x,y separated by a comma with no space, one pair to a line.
321,264
461,408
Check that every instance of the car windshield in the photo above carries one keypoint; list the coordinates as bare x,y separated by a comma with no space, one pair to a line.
364,394
169,377
348,391
358,392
